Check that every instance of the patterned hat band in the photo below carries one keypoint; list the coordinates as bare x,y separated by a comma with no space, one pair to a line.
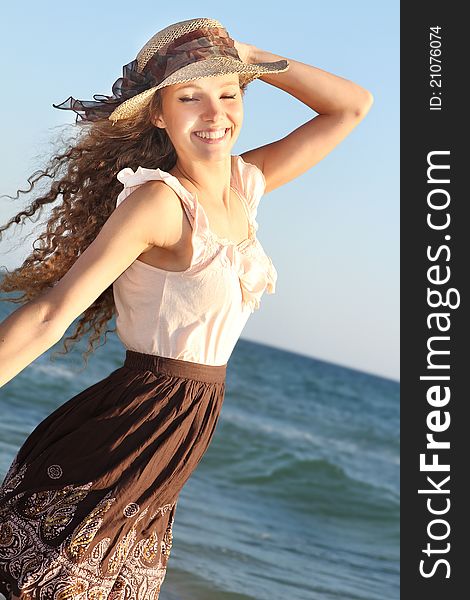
191,47
182,52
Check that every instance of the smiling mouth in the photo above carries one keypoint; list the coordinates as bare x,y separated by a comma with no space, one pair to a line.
209,140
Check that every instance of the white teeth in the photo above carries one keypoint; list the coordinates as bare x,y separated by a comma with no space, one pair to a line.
213,135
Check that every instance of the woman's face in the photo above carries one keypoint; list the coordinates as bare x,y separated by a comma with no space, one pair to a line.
210,103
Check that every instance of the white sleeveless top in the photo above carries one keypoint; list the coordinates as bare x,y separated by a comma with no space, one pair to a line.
197,314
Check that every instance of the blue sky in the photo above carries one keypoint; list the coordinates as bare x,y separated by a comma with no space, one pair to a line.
333,233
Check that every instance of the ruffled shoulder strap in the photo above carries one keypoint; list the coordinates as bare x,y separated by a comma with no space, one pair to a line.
249,180
133,179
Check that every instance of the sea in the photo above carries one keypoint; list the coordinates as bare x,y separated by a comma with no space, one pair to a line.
297,495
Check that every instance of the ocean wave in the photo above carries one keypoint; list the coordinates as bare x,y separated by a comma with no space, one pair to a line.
321,487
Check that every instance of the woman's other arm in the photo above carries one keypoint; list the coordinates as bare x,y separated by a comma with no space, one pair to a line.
24,335
151,216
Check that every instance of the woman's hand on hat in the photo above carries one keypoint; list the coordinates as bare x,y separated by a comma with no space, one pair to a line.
244,51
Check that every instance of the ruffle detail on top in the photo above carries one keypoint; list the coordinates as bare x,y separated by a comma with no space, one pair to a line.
248,259
250,180
131,179
255,271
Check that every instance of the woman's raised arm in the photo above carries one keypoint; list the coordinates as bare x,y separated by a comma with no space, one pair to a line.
341,105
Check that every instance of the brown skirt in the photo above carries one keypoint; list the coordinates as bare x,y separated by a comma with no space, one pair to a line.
88,504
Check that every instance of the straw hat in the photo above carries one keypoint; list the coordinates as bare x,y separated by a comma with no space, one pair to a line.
181,52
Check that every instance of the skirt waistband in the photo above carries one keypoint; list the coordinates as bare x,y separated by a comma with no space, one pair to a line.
175,366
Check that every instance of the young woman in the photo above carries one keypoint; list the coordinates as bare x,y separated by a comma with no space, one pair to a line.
87,506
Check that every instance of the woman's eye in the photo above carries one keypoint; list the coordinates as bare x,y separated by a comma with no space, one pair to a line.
190,99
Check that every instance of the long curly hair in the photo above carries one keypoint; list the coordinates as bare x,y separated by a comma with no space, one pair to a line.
84,180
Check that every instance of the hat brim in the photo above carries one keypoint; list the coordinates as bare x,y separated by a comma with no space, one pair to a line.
210,67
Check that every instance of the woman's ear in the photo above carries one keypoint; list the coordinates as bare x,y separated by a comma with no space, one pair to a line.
156,118
156,110
158,122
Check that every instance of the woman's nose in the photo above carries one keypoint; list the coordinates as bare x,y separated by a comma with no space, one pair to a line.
212,109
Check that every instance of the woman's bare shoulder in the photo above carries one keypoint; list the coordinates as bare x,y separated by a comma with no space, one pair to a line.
156,210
